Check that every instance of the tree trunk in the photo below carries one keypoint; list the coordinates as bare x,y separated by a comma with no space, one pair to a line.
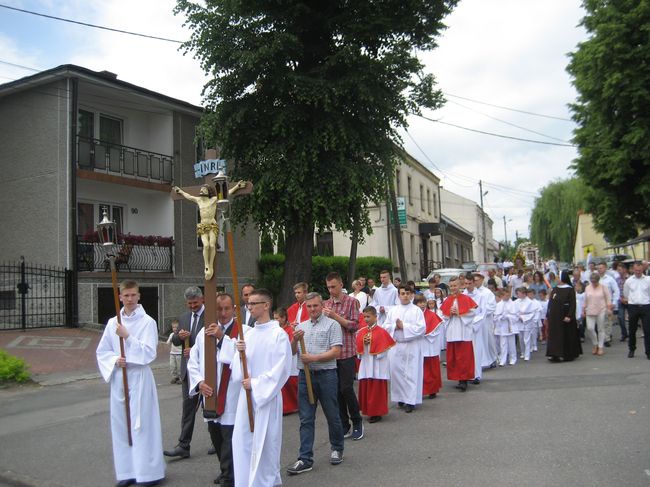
299,245
352,264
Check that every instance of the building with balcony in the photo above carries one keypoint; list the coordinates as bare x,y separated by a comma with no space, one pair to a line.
418,201
76,143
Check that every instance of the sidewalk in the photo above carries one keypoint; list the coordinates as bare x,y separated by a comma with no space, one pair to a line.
61,355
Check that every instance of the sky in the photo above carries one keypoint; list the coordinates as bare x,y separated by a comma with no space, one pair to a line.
509,53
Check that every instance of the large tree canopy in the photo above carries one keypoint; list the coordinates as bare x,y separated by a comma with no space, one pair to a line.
307,97
611,72
554,217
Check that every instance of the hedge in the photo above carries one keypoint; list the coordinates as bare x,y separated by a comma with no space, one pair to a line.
271,268
12,369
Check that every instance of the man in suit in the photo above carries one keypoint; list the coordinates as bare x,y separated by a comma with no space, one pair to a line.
246,291
189,324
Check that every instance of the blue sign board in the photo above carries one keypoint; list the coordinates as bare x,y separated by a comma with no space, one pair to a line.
209,166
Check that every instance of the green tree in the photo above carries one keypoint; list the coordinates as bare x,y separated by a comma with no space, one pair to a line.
554,216
307,98
611,71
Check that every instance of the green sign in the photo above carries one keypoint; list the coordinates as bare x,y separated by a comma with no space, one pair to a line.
401,212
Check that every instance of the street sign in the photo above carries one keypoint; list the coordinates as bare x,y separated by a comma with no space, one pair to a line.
401,212
209,166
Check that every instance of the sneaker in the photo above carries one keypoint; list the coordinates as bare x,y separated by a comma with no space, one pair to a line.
336,457
357,432
298,468
348,432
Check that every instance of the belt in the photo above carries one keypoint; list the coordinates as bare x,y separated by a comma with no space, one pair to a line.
318,371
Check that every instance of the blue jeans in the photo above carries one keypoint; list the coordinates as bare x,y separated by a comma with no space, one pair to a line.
325,386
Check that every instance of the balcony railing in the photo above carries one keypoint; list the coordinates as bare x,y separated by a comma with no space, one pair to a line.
93,257
121,160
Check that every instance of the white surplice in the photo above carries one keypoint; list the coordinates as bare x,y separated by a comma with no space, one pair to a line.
387,297
478,323
405,358
144,460
257,455
373,366
196,371
489,355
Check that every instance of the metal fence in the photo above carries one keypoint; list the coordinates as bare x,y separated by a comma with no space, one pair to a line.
93,257
35,296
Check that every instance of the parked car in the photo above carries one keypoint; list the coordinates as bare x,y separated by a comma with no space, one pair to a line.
484,268
445,275
469,266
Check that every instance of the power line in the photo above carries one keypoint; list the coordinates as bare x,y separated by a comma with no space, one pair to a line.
509,108
532,141
508,123
19,66
90,25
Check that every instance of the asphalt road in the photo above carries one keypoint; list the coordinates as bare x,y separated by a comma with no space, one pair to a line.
585,423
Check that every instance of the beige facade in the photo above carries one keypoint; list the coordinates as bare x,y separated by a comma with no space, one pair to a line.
466,213
588,239
420,189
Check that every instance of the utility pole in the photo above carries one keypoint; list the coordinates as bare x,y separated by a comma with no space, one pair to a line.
397,231
480,186
505,232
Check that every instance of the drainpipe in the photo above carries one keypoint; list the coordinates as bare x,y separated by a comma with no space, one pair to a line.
74,113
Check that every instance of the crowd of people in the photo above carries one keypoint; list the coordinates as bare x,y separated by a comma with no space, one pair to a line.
388,337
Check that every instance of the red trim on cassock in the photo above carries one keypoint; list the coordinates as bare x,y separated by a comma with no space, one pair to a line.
432,378
380,340
465,304
460,361
373,397
432,321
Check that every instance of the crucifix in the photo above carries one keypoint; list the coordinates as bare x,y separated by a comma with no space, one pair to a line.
212,201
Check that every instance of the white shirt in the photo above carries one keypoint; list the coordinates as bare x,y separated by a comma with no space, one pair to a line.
614,291
637,290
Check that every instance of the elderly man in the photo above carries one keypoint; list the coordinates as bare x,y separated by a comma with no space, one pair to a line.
323,341
189,325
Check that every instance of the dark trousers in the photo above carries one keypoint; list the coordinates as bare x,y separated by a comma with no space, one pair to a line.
636,312
621,319
346,369
221,436
324,384
189,413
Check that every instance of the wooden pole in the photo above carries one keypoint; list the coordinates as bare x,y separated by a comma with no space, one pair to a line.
235,284
125,379
310,389
210,346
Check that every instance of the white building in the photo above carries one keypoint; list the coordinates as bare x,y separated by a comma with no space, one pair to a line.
417,190
468,214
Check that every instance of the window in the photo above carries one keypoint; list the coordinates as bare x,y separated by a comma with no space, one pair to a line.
397,182
85,218
437,251
447,249
325,244
428,201
434,205
408,190
86,124
458,256
421,197
110,130
89,214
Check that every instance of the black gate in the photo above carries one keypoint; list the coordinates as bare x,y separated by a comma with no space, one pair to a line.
35,296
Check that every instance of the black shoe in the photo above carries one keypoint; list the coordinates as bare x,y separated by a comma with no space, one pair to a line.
623,339
400,404
347,432
431,396
630,354
178,451
217,481
150,483
374,419
298,468
462,386
476,382
408,408
647,356
212,450
608,344
125,483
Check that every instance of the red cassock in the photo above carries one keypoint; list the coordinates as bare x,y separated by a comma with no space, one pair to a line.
290,388
373,393
460,355
432,377
292,313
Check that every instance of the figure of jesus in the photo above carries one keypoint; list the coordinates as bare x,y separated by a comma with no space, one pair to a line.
207,229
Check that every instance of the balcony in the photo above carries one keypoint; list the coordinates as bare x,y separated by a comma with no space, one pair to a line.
120,160
132,254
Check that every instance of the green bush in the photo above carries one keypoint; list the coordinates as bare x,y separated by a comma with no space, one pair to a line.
12,369
272,269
